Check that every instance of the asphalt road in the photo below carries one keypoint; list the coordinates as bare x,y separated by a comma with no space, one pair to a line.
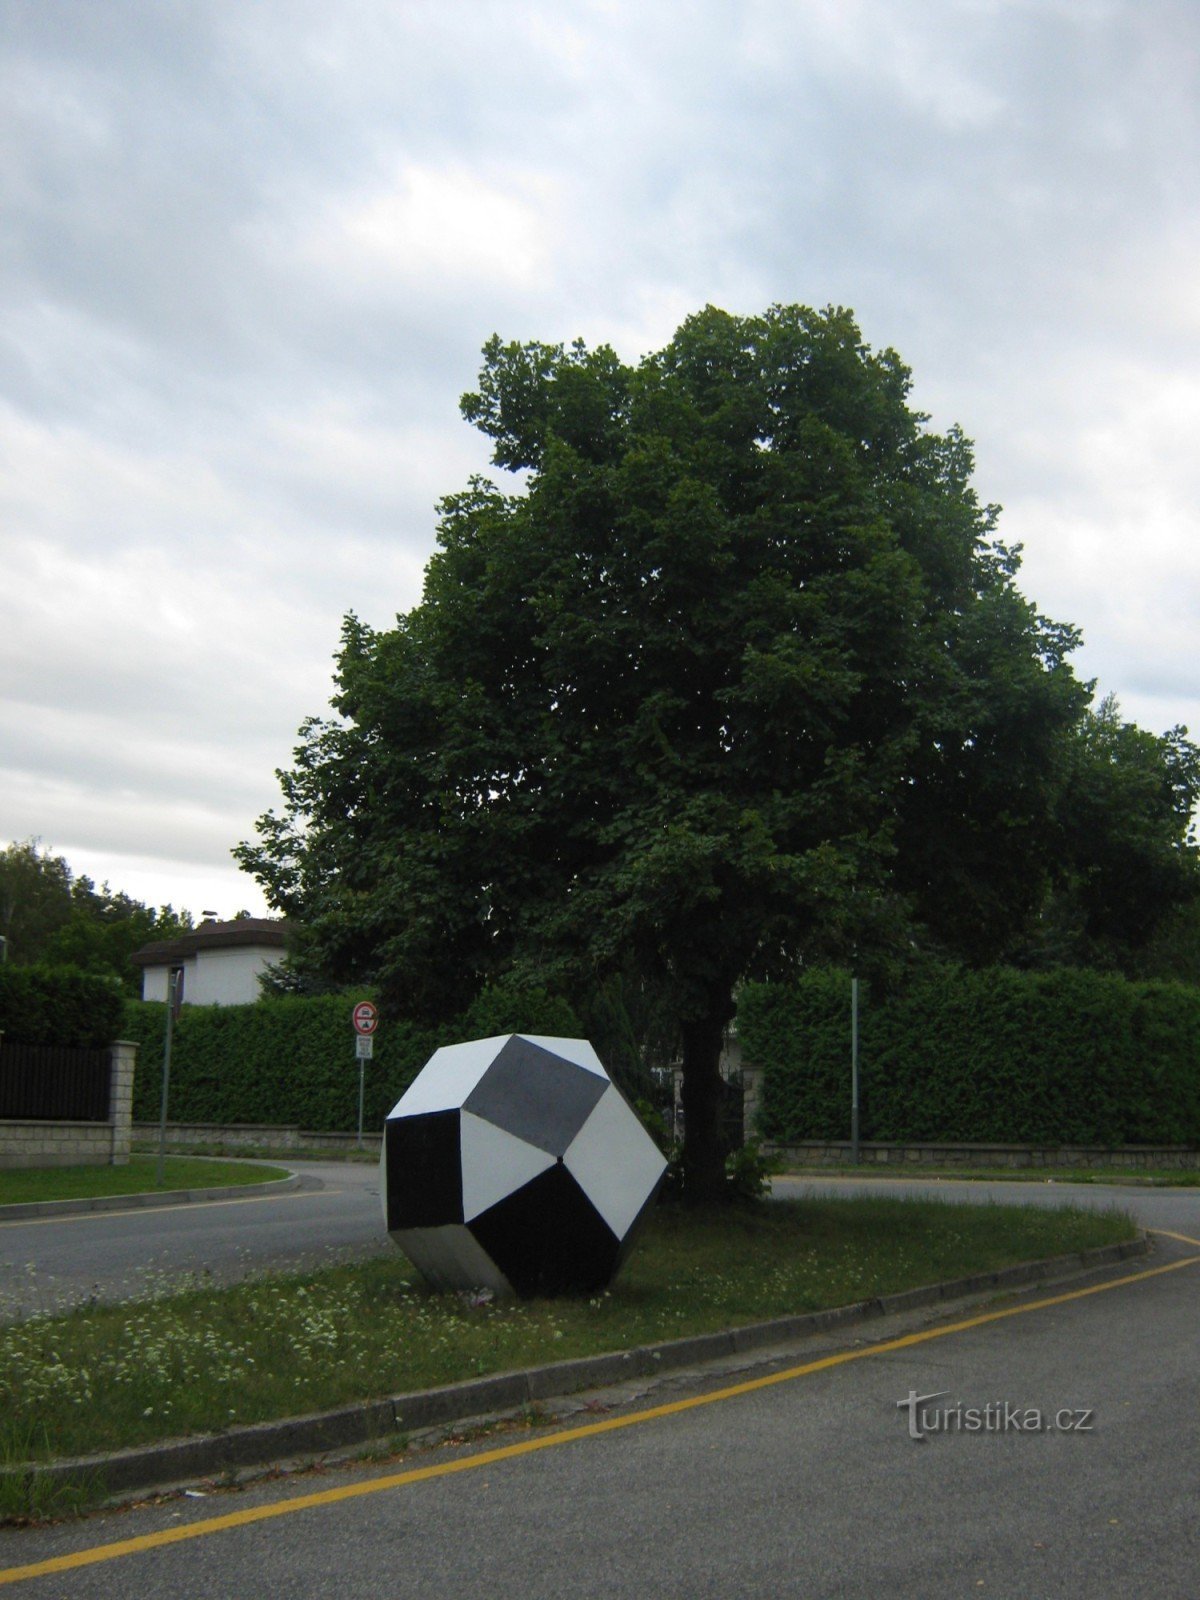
811,1486
53,1263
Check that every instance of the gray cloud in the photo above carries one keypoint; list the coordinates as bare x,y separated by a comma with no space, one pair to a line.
251,253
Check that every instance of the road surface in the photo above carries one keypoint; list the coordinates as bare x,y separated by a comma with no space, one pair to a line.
810,1484
52,1263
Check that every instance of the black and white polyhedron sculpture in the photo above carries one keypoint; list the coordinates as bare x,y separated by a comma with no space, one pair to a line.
515,1164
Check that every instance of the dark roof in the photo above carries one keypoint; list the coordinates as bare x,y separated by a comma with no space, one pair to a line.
269,931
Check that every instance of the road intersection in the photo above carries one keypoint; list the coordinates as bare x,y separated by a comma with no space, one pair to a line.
801,1479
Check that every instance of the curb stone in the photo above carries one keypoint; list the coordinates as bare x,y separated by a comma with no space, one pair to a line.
28,1209
263,1443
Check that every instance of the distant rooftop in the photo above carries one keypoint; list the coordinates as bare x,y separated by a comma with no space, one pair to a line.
269,931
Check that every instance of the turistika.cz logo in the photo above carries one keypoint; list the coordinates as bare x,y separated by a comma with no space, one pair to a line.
997,1416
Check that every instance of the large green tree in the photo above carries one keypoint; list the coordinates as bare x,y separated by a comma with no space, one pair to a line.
48,914
734,674
35,899
1127,873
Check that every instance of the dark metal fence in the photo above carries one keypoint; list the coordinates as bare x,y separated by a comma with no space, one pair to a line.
54,1083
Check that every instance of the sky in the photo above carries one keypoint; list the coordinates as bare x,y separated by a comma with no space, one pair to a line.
249,254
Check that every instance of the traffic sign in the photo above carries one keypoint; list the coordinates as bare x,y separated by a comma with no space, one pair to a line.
366,1017
364,1047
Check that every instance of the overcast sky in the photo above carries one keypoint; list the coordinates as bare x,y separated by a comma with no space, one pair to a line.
250,252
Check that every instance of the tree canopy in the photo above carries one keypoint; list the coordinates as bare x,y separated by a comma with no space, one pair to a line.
49,915
733,675
1126,852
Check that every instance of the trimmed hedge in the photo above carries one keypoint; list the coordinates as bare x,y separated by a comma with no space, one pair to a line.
995,1056
59,1006
291,1060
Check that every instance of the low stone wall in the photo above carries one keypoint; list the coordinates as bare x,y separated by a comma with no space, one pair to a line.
25,1143
831,1153
56,1144
251,1136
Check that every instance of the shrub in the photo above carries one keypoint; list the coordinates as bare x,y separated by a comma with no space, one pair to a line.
59,1005
994,1056
291,1060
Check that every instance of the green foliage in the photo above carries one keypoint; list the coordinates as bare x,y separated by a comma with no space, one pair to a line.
628,1020
21,1185
50,916
516,1008
59,1005
994,1056
1172,953
35,899
737,675
291,1059
286,1060
1128,872
749,1170
104,930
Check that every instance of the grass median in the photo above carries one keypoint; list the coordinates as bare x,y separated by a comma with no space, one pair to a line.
103,1378
21,1185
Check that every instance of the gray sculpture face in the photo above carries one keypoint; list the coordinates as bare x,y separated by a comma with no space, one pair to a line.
517,1165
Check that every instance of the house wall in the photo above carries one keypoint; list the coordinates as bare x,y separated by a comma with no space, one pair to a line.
227,977
155,979
214,977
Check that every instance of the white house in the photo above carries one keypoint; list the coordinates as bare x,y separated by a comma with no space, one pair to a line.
220,962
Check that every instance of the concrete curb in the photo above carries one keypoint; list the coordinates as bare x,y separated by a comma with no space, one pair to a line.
260,1444
31,1209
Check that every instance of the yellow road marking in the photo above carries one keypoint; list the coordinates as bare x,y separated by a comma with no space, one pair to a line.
444,1469
151,1211
1182,1237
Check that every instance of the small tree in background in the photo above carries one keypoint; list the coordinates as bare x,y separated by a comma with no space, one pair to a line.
48,915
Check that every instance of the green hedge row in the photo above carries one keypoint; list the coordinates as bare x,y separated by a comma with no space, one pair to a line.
59,1005
996,1056
291,1060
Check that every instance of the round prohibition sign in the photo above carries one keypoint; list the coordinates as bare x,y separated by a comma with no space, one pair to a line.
366,1017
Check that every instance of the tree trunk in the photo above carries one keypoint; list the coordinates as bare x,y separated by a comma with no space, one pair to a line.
703,1155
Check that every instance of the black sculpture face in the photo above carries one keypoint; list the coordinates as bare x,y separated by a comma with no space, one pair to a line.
516,1164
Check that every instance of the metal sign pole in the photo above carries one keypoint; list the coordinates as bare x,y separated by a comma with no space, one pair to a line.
166,1076
854,1070
362,1071
365,1018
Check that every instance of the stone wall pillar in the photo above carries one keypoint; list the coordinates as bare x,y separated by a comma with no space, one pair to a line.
120,1102
751,1098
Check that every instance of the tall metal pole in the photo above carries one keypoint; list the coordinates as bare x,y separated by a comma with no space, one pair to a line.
362,1070
166,1076
854,1070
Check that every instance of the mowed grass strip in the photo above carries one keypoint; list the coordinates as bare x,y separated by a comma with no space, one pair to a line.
103,1378
21,1185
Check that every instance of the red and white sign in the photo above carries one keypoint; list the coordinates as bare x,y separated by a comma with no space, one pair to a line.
366,1017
